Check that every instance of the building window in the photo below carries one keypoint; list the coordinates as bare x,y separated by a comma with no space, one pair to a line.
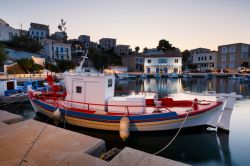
224,50
244,54
61,49
149,60
244,48
61,57
37,33
210,58
232,57
32,32
224,57
175,60
41,33
232,49
162,60
205,58
10,35
110,82
78,89
199,58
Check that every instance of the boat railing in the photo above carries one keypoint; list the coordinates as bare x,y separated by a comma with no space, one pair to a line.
69,104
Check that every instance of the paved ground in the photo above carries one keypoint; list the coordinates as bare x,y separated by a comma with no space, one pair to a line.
35,143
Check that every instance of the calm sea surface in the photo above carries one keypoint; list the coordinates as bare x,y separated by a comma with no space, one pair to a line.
196,146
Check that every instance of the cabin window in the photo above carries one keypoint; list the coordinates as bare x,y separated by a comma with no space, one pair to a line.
78,89
110,82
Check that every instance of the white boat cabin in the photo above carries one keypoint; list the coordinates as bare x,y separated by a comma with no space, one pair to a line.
97,91
7,86
92,88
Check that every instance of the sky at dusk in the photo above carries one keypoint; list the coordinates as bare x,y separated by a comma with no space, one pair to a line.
187,24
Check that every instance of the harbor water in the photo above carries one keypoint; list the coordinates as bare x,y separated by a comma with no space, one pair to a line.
195,146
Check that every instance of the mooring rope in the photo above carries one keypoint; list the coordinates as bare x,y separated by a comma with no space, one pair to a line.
177,133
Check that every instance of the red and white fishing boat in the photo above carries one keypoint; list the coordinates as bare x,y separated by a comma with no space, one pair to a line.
89,102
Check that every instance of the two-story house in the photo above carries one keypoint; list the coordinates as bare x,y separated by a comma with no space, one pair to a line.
56,50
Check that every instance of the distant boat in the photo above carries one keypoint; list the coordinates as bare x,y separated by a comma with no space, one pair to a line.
35,85
125,76
234,77
173,75
10,93
246,78
157,75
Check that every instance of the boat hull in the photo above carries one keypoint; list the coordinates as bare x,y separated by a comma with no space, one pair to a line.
164,122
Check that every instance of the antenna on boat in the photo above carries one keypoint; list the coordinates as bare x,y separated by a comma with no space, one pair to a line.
79,68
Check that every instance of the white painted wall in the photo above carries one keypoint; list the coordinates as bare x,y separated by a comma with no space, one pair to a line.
37,33
7,33
171,63
62,49
204,58
94,88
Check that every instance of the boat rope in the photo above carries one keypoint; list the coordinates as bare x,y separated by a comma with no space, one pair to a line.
177,133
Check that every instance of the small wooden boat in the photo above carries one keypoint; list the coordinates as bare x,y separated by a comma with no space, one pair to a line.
89,102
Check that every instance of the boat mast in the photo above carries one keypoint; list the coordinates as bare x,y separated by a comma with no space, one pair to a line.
79,68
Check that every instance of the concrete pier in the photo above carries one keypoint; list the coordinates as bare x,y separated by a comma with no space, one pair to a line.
35,143
9,118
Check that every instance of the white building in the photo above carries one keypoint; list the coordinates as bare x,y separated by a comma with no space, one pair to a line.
6,32
84,38
90,44
59,36
169,62
122,50
107,43
38,31
56,50
205,61
198,51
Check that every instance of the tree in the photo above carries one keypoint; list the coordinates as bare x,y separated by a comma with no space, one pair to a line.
51,67
137,48
164,45
101,60
24,43
3,56
37,67
186,57
26,65
64,65
145,49
62,28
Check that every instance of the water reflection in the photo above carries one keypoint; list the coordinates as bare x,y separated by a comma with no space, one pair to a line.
166,86
193,146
